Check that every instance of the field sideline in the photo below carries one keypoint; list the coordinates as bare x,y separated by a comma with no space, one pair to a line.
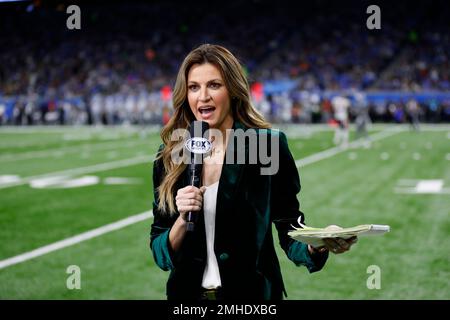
56,183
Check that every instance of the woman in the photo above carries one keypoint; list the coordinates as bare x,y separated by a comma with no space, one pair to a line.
230,254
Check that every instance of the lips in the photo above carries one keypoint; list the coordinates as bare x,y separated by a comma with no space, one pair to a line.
206,111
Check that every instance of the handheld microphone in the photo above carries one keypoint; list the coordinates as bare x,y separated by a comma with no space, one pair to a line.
198,146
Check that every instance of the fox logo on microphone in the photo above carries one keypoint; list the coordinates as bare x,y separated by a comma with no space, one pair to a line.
198,145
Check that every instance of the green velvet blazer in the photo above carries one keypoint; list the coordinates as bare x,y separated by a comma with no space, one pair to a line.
247,205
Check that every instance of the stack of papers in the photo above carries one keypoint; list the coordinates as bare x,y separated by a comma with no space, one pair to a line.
314,236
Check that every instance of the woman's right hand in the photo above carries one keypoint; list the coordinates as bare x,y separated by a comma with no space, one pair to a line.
188,199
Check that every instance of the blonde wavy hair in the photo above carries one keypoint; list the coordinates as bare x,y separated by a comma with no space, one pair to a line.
241,106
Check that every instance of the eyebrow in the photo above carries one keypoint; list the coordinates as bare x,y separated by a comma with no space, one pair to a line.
213,80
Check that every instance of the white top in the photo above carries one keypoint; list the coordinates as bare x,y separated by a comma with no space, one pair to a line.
211,275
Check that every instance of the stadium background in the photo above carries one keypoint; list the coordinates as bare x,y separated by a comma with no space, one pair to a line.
80,113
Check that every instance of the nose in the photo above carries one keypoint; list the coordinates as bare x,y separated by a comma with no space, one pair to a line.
204,95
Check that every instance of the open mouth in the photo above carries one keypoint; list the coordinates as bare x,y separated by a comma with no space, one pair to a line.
206,110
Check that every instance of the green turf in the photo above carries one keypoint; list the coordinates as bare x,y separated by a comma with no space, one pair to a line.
353,187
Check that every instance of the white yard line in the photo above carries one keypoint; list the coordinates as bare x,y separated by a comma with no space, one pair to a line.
66,129
432,127
76,239
83,170
42,129
84,147
148,214
313,128
336,150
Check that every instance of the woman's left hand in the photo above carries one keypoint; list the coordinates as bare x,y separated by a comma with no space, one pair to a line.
338,245
335,245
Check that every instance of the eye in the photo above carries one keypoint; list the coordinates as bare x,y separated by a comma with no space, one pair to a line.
193,87
215,85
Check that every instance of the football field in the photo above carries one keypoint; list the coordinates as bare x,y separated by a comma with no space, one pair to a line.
82,197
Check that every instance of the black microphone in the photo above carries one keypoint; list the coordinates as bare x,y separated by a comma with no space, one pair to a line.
199,146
